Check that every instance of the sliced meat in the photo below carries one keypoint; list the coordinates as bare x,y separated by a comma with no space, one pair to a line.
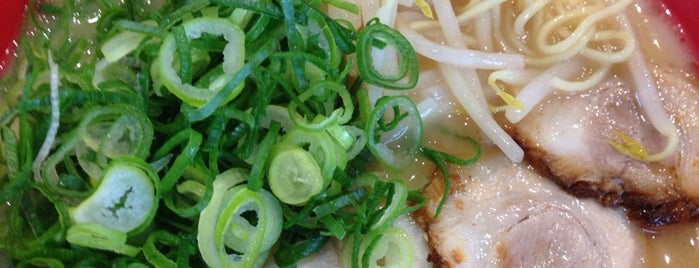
566,138
501,214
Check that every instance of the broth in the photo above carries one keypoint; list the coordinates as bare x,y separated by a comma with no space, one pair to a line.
672,246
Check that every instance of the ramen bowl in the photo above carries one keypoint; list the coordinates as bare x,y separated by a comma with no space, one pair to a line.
680,13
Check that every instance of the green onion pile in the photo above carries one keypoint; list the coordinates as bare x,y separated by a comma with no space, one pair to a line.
219,133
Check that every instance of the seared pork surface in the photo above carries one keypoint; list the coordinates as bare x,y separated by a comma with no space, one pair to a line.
501,214
567,140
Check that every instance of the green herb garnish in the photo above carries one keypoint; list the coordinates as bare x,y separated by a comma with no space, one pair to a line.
199,132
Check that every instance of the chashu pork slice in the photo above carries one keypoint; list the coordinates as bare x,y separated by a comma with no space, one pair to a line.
567,139
501,214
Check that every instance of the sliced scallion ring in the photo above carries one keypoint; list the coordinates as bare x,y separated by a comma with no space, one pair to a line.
321,145
395,141
369,39
246,235
390,247
125,199
394,207
227,236
294,175
233,59
122,44
340,115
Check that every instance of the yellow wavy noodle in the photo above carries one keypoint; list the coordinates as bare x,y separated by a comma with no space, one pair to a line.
550,31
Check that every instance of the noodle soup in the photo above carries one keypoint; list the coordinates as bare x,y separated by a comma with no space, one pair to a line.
485,67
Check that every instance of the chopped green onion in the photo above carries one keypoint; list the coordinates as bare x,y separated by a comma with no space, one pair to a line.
294,175
397,198
129,135
232,87
156,257
319,143
441,159
206,236
122,44
261,90
95,235
202,193
264,153
346,5
392,248
125,199
408,65
223,223
233,54
142,28
338,116
394,151
289,254
193,139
